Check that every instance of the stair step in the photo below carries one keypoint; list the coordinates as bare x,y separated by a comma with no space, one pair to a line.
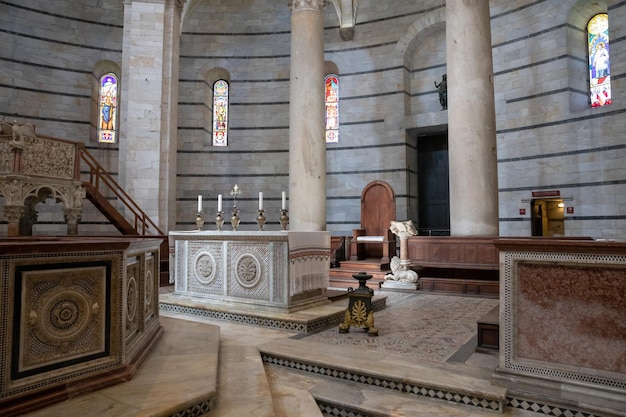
459,386
364,265
487,288
488,339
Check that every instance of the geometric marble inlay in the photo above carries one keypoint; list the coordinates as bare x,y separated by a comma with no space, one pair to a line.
61,315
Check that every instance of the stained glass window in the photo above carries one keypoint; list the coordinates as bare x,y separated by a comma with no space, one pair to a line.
331,94
220,113
599,63
107,119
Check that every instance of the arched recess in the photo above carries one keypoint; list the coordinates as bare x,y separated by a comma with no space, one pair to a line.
577,17
422,111
427,29
99,69
209,79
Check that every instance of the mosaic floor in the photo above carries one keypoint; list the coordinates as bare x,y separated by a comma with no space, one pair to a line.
425,326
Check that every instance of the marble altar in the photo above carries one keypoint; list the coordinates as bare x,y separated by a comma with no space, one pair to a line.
281,270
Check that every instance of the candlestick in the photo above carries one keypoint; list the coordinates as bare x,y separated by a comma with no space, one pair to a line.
284,219
284,204
260,200
234,219
200,204
219,221
219,203
199,220
260,219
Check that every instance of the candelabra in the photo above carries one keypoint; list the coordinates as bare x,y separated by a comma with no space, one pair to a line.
234,220
260,219
219,221
199,220
284,219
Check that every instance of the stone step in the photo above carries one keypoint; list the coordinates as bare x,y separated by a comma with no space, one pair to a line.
489,332
456,384
179,377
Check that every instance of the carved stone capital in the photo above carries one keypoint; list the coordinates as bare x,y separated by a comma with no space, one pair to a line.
14,213
14,191
314,5
72,215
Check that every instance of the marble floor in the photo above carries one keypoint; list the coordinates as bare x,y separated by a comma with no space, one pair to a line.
207,367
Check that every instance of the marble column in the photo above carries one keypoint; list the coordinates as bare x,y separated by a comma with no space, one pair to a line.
307,146
140,156
169,112
471,120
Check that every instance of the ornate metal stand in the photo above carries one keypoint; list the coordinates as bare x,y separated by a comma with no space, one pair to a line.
260,219
234,219
360,312
284,219
219,221
199,220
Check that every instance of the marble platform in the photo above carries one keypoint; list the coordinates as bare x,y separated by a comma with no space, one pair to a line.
239,369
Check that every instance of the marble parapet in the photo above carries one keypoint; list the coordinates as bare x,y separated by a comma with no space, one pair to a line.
78,314
562,328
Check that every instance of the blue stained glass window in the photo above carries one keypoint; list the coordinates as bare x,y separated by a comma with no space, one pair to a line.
599,62
107,119
220,113
331,97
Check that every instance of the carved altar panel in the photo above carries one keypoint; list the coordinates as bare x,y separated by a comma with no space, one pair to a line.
273,269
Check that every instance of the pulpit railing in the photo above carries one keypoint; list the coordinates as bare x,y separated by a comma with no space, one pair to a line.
103,182
31,164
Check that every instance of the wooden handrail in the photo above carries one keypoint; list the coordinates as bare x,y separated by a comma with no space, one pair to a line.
99,178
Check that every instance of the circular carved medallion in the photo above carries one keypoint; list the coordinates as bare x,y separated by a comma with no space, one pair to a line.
149,287
248,271
65,315
205,268
131,297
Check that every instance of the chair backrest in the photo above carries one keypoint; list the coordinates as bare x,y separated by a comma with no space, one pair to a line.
378,207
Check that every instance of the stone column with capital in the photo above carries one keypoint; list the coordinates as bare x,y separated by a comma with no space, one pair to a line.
13,214
471,120
307,146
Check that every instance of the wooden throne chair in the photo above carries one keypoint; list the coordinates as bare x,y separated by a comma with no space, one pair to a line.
374,240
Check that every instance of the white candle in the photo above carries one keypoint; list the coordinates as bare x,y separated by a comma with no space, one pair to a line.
284,205
260,200
199,204
219,202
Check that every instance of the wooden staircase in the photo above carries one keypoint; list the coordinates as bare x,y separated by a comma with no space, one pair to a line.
101,189
341,277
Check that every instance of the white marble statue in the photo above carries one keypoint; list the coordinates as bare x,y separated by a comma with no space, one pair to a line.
400,273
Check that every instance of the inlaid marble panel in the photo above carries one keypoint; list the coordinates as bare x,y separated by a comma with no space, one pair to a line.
572,315
66,315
